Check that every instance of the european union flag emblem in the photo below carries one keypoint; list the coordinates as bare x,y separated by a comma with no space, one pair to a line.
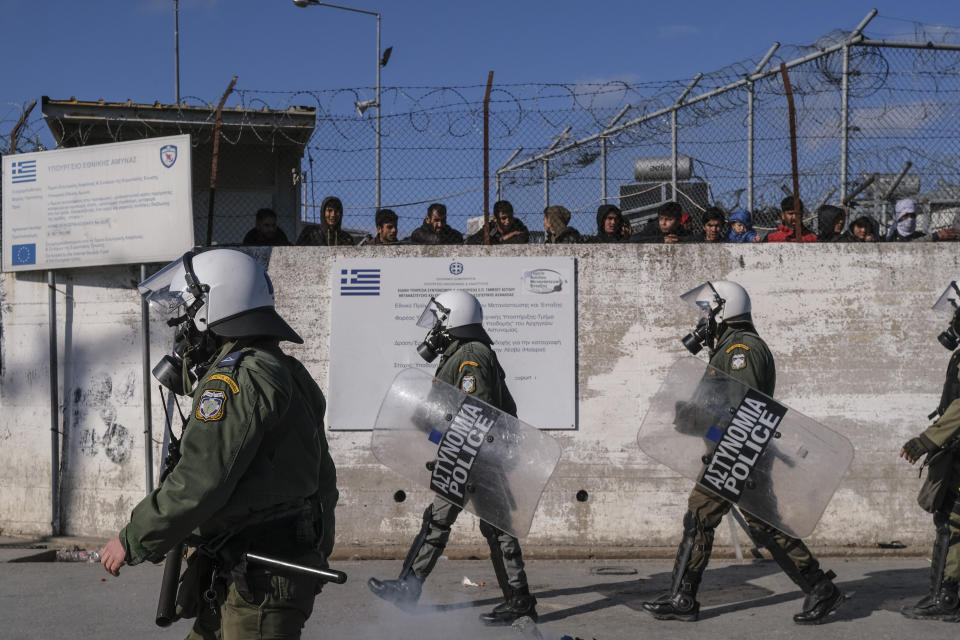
24,254
435,436
23,171
714,434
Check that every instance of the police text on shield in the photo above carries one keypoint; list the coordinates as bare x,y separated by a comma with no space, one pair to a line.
458,450
742,444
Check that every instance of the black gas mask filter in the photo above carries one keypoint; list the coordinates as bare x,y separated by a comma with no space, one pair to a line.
706,331
190,346
951,337
437,339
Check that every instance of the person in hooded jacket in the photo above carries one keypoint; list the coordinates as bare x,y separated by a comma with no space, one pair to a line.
863,229
506,228
666,228
831,221
904,229
555,221
328,233
611,225
741,227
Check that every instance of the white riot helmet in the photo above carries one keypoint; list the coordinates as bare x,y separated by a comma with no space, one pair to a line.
718,302
452,314
221,293
949,304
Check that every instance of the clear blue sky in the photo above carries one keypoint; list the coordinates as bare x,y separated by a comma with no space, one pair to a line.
115,49
119,50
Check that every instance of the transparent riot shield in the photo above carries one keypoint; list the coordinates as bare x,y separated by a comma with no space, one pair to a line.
468,452
772,461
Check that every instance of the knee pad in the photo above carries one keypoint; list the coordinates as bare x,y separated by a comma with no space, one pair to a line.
428,520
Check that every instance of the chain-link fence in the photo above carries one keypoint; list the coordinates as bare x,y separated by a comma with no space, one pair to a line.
886,109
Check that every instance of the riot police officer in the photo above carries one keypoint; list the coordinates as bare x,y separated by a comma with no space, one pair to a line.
726,328
939,442
456,333
255,411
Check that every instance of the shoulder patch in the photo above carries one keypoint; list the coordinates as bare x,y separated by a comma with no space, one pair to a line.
738,346
465,363
228,380
231,359
468,384
738,361
211,405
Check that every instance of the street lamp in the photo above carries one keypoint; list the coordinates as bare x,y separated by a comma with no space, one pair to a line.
381,62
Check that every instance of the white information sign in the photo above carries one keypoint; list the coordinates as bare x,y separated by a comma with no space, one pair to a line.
529,310
117,203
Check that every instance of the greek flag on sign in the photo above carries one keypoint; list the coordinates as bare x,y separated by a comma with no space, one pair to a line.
359,282
23,171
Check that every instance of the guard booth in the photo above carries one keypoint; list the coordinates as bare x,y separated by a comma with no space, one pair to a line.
258,158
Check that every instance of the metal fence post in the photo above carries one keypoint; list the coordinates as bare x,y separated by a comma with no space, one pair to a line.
673,129
844,121
673,154
750,125
546,182
750,146
603,170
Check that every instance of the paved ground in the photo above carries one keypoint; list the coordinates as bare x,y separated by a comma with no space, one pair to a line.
586,598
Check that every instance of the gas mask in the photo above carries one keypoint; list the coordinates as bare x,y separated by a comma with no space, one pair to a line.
705,332
950,301
191,347
437,339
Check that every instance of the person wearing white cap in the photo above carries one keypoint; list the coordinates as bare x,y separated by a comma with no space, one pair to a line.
904,227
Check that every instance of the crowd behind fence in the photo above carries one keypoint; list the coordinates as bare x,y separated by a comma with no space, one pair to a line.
870,109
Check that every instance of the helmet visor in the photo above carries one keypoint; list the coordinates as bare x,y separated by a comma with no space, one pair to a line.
157,290
432,314
949,300
704,298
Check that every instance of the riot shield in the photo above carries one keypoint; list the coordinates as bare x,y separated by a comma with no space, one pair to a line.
467,451
772,461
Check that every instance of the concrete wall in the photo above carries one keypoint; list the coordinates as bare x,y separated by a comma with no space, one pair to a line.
850,327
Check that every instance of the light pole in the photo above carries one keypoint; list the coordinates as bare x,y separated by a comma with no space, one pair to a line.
361,107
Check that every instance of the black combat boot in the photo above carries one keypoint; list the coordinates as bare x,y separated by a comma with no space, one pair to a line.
680,605
823,598
943,605
520,604
404,592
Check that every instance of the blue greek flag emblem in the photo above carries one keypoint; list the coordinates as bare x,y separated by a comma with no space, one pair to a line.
360,282
23,171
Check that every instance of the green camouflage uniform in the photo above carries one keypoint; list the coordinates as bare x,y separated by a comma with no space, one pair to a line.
943,432
255,473
473,368
744,356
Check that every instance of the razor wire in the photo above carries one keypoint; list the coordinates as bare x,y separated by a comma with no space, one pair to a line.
902,106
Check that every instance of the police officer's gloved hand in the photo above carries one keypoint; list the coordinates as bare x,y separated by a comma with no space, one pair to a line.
916,448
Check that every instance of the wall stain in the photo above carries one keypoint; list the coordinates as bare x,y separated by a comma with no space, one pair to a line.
117,442
98,397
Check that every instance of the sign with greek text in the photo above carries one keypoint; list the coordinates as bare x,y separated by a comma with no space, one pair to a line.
741,444
120,203
529,310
